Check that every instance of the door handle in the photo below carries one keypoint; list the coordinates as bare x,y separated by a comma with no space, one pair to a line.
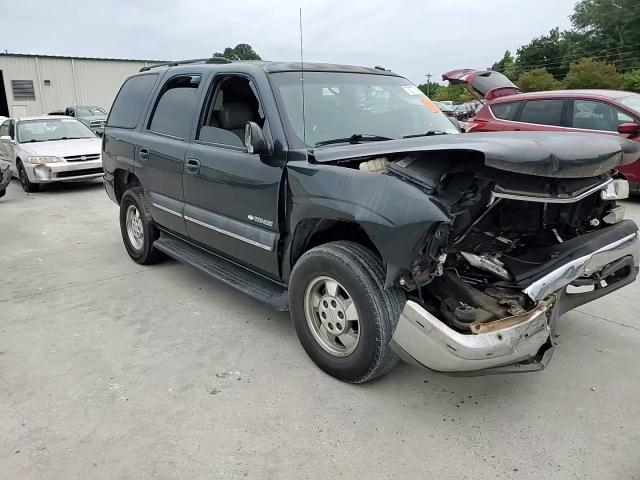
144,153
193,165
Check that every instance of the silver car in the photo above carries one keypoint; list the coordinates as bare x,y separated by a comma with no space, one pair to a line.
49,149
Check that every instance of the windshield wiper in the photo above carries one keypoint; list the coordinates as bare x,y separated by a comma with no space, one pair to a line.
428,133
65,138
355,138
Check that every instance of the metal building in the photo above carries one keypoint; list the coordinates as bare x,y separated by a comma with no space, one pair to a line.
39,84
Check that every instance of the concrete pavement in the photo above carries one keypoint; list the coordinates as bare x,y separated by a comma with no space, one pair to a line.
112,370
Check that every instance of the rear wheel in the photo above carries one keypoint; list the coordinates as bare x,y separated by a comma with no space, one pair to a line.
27,185
342,314
137,227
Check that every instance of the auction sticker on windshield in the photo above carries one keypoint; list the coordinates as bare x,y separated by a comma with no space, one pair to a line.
412,90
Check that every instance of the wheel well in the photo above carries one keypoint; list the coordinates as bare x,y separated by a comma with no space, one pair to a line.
122,181
313,232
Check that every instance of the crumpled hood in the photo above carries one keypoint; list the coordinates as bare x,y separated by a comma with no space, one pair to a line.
547,154
63,148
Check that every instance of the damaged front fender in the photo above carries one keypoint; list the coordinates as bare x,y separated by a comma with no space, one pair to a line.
395,215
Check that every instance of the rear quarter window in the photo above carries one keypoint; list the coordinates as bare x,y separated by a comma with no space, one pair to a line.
128,105
504,111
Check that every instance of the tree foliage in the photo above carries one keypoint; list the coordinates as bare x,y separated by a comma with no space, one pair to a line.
590,73
632,81
430,88
454,93
546,51
506,66
242,51
613,26
538,80
603,30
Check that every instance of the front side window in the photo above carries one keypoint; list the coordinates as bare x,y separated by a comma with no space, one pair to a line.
505,111
128,105
30,131
176,107
4,129
232,103
594,115
542,112
356,105
632,101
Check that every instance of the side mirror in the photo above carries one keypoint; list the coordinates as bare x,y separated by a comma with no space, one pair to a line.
255,140
629,129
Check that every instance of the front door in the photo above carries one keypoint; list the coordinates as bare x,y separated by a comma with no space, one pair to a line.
231,196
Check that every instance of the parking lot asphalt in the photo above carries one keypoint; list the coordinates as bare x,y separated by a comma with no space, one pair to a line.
112,370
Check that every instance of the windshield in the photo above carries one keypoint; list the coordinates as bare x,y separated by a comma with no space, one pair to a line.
632,101
51,129
89,111
357,107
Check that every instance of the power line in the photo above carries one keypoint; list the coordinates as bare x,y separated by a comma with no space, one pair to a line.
588,53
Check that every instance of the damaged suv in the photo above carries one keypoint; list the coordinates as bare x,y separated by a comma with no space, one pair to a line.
344,195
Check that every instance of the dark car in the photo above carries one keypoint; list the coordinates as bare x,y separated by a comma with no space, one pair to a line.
610,112
93,117
359,207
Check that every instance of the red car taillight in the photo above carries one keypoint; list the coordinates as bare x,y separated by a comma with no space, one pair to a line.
475,125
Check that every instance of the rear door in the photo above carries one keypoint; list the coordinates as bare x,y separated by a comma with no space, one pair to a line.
540,114
160,154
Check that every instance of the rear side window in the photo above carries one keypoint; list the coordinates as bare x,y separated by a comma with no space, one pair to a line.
542,112
174,112
130,101
505,111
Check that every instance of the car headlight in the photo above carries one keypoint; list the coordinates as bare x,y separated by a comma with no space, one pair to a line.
39,160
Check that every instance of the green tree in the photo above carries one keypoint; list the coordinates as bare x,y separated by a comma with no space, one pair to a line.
506,66
538,80
611,25
430,89
546,51
242,51
632,81
455,93
590,73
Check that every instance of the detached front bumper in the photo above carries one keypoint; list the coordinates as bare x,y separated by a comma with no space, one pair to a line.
521,343
64,171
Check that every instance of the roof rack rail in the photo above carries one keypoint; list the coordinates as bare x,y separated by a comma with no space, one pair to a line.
186,62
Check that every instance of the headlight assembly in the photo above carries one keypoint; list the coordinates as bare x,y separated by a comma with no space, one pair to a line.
45,159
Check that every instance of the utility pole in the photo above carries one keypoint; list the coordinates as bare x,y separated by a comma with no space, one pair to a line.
428,75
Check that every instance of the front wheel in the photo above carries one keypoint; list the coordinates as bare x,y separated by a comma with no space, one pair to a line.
342,314
27,185
137,227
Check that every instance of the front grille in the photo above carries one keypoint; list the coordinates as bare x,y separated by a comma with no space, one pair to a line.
77,173
83,158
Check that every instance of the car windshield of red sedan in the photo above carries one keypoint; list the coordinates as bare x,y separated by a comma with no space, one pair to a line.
49,130
632,101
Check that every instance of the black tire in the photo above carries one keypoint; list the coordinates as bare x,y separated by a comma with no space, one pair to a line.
27,185
3,192
361,273
146,254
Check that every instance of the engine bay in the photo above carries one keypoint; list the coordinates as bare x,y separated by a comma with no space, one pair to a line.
506,228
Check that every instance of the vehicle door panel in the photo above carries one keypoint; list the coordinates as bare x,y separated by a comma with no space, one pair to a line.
159,157
236,193
232,198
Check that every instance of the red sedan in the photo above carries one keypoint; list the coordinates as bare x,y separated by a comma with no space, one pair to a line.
598,111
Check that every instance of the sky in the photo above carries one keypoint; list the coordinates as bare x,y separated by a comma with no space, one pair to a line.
411,38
